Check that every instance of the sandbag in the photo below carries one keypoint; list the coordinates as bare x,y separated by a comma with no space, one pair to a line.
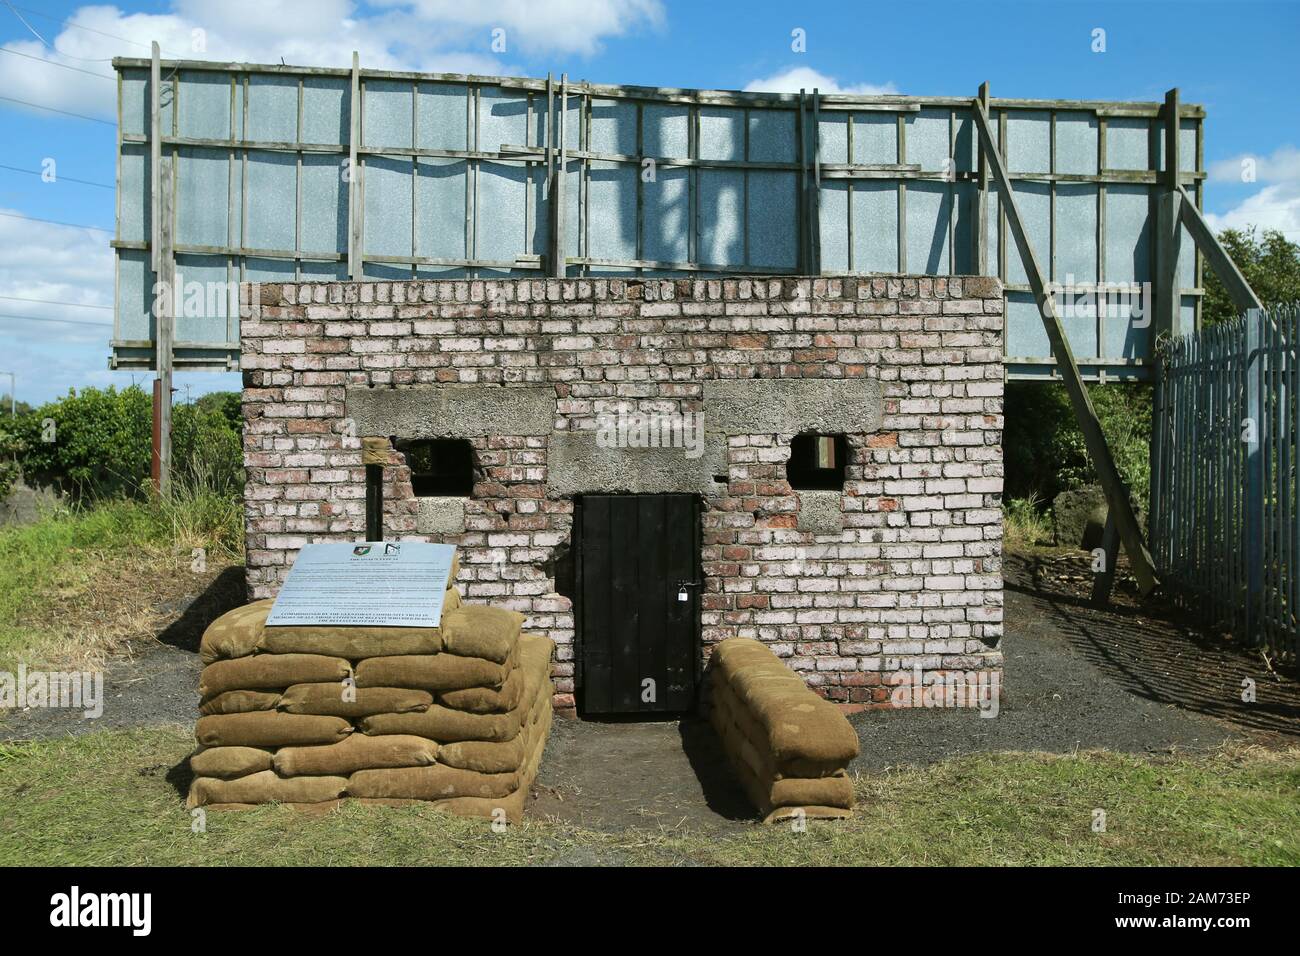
834,791
270,728
239,702
430,783
356,752
327,699
227,762
478,630
432,672
487,700
235,633
270,671
355,642
800,728
266,787
446,725
486,756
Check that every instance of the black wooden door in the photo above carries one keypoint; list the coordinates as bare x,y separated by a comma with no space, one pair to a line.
638,602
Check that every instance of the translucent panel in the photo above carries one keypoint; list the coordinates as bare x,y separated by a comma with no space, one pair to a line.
135,102
1186,260
833,137
613,127
991,236
386,114
666,131
441,119
772,136
272,186
268,270
722,135
1186,146
324,204
539,202
773,224
722,196
318,271
453,272
612,190
929,208
1076,233
134,296
326,110
386,271
388,206
572,204
875,138
502,119
1076,143
928,142
1128,250
1079,319
1029,141
966,217
202,197
204,299
1025,335
833,224
1034,204
875,225
1126,327
272,108
135,221
499,225
666,229
205,105
1127,143
965,153
440,209
1186,315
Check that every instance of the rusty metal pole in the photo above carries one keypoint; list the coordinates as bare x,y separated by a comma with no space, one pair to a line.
374,455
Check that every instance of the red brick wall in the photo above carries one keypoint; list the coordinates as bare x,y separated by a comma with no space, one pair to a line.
913,581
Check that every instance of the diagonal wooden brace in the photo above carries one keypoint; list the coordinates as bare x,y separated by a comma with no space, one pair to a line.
1094,439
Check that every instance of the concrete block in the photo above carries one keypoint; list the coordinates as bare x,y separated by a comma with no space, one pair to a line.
452,411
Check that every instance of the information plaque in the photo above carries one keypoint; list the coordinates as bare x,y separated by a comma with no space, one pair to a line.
366,583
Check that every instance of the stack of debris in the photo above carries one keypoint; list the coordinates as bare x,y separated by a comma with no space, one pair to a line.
456,715
789,747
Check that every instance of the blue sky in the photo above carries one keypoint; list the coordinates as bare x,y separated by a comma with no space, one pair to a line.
1236,58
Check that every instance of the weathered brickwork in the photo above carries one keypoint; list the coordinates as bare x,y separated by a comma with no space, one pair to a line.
913,579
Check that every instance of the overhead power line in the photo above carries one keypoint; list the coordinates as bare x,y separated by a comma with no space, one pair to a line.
67,21
60,178
51,109
55,222
61,66
41,318
75,305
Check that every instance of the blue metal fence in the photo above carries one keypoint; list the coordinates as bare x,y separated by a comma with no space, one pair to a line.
1226,492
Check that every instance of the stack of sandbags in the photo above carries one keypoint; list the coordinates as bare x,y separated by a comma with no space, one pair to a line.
456,715
788,746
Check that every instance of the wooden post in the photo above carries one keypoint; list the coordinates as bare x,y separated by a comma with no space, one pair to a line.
374,455
1167,299
164,265
559,220
1116,494
1104,580
354,174
980,252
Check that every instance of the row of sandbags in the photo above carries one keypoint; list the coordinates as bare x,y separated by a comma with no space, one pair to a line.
455,715
789,747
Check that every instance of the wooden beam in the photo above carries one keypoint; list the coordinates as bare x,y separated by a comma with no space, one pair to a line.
558,218
1243,296
980,252
1116,493
164,265
354,174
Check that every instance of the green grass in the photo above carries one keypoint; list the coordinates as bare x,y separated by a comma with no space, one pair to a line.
105,799
56,572
1025,523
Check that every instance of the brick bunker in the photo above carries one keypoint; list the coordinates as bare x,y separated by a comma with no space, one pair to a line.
841,501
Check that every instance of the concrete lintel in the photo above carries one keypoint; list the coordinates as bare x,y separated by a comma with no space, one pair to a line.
452,411
767,406
577,464
821,512
440,515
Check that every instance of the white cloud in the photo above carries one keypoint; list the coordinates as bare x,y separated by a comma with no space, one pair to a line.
1276,205
427,35
806,78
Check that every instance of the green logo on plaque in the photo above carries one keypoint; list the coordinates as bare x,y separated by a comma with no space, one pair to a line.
361,550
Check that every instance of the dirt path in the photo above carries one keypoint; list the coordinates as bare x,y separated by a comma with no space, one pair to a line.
1076,677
